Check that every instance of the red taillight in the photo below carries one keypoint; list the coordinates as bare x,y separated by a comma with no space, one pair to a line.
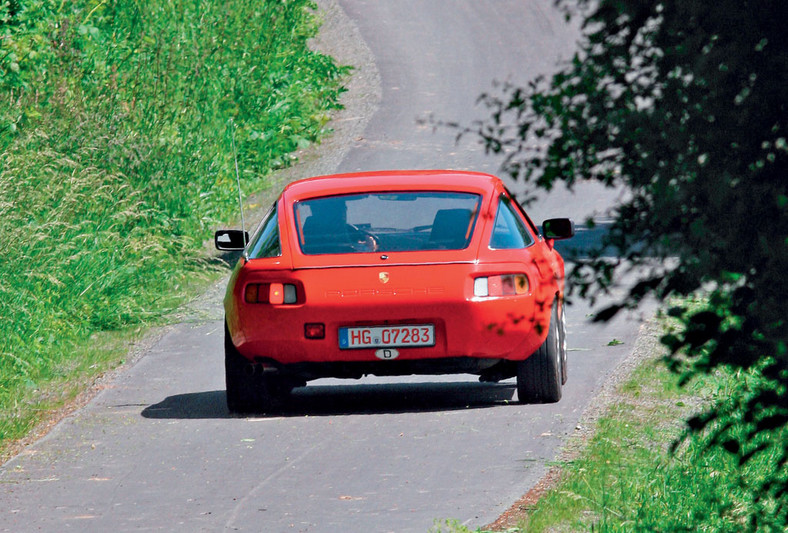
256,293
315,331
494,286
273,293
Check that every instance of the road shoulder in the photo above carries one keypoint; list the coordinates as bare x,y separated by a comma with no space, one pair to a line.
645,348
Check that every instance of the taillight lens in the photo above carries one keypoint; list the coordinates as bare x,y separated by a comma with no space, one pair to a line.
256,293
276,294
501,285
291,296
270,293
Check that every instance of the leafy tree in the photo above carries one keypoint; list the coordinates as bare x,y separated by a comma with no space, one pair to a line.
684,104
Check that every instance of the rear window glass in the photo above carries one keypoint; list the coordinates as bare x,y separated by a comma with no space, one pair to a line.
386,222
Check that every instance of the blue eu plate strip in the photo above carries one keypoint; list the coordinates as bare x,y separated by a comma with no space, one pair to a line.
343,342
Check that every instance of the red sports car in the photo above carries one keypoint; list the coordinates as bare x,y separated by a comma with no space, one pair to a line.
394,273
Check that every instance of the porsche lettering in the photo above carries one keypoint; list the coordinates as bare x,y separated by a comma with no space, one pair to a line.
403,291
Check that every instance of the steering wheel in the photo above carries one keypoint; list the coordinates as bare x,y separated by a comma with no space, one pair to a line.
362,240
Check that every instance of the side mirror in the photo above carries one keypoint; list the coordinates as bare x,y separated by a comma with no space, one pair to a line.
558,228
231,240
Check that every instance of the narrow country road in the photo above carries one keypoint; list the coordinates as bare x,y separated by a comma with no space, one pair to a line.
157,449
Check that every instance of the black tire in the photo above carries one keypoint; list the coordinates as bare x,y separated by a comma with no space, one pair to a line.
248,391
539,377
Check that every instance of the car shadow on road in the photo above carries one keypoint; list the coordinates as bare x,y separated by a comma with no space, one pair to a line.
359,399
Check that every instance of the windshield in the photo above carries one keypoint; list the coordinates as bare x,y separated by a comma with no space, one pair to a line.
386,222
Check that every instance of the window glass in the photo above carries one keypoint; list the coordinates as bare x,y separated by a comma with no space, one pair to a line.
387,222
519,209
265,241
509,231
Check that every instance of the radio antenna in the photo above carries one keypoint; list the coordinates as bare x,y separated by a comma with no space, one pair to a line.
238,181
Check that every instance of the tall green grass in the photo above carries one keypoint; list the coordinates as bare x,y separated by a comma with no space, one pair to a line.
628,478
116,163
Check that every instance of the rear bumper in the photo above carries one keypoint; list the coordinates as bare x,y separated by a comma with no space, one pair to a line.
470,332
472,329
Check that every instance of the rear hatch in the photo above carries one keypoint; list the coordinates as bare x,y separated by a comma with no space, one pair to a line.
385,229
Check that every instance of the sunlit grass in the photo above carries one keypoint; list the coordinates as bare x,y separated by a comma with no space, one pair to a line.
116,164
628,479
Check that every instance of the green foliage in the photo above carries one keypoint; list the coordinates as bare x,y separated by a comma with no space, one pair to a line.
627,480
116,162
684,105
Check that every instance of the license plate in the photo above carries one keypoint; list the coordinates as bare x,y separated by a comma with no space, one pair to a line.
377,336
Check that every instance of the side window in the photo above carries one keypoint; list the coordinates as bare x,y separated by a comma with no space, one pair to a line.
509,231
265,242
517,207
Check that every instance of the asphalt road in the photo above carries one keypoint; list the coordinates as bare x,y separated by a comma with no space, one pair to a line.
157,449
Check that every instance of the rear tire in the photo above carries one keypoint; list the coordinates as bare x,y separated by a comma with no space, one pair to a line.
249,391
539,377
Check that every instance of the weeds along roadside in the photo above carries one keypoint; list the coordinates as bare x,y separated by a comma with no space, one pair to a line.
630,480
627,476
116,165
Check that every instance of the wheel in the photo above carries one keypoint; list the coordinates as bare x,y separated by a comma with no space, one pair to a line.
249,391
539,377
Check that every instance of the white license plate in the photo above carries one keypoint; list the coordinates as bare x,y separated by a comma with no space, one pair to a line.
395,335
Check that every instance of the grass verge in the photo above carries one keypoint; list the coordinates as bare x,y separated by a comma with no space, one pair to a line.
116,164
628,477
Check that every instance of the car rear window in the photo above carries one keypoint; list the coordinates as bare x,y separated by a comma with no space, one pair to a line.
386,222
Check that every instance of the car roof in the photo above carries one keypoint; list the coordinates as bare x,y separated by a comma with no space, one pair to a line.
391,180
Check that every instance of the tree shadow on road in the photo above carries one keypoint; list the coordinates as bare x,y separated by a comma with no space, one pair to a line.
358,399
